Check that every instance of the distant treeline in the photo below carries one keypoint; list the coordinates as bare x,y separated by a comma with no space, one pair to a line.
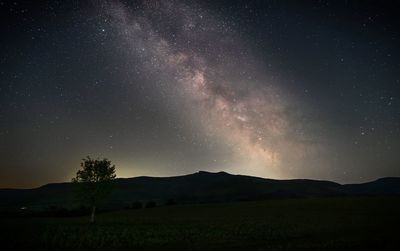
82,210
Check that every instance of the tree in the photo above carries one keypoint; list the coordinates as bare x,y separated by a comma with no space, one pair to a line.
93,182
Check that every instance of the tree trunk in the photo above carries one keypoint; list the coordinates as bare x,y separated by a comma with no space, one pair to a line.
93,212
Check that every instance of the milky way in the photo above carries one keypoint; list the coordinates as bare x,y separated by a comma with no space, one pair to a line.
222,82
276,89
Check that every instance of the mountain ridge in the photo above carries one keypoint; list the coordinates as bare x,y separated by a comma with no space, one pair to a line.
213,173
201,186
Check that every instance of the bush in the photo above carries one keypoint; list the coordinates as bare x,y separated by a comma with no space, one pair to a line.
151,204
137,205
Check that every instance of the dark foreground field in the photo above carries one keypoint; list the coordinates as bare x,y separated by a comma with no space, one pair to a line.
296,224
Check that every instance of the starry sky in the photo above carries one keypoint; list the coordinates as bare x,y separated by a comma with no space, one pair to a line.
277,89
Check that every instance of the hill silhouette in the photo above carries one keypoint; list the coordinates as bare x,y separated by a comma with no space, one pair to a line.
198,187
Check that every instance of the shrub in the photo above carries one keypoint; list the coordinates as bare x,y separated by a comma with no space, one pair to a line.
151,204
137,205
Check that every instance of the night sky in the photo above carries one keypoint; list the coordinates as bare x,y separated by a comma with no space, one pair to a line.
277,89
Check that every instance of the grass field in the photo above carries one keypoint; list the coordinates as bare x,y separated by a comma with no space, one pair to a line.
295,224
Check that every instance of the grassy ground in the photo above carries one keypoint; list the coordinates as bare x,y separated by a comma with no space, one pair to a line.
332,224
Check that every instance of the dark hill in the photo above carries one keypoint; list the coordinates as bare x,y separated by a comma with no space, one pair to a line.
197,187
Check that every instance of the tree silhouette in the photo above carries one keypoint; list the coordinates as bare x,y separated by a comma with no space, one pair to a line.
93,182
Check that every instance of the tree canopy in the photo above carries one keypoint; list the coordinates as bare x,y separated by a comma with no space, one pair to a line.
93,181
